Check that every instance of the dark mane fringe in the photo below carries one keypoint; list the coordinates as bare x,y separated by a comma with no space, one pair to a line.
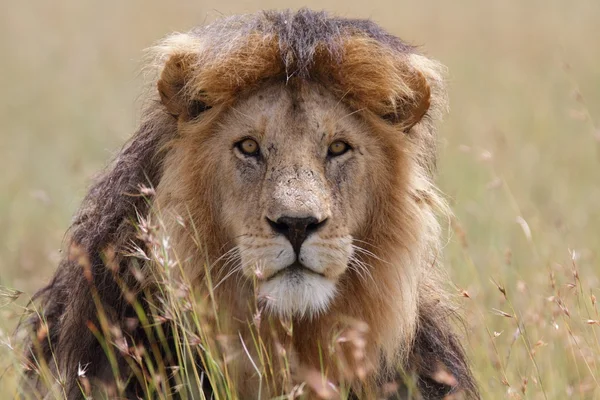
112,204
437,349
106,217
302,33
116,193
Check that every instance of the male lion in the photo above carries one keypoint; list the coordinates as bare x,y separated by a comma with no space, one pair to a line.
289,158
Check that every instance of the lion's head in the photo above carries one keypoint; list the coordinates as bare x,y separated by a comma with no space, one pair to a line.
291,159
303,151
294,151
297,181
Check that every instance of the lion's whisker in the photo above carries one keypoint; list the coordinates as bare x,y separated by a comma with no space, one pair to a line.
234,251
233,271
366,252
369,243
361,268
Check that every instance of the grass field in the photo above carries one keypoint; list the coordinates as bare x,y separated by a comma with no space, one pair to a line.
520,159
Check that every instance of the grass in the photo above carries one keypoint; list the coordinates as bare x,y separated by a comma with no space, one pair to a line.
520,157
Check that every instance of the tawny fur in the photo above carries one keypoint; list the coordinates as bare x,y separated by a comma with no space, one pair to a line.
396,93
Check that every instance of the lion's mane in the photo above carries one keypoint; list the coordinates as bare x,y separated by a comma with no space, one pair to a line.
357,61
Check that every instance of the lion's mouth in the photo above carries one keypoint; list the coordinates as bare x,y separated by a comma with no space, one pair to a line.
295,269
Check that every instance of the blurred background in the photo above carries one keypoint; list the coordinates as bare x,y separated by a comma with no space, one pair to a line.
520,159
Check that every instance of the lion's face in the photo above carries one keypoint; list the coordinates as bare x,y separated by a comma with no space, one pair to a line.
294,176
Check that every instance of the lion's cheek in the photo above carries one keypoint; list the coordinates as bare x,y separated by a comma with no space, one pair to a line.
262,259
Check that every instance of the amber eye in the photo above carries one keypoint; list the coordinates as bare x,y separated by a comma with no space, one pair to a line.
338,148
248,147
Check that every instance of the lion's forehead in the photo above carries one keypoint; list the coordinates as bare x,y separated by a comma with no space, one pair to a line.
288,120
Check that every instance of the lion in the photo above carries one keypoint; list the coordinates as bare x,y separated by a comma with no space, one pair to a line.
290,158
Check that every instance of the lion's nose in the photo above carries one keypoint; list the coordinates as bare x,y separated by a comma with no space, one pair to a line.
296,229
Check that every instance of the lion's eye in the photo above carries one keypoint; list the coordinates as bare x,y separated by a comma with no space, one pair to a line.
248,147
338,148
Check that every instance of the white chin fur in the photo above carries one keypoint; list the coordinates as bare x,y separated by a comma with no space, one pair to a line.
297,294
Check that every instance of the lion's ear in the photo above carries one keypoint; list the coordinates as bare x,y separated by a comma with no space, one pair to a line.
410,110
172,89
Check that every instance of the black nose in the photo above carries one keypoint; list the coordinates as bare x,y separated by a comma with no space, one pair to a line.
296,229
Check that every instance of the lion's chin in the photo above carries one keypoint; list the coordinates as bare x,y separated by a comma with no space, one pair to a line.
297,293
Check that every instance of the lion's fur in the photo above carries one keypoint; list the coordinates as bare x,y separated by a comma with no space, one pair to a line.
404,304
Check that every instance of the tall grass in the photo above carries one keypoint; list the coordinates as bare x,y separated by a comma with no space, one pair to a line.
185,344
520,156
